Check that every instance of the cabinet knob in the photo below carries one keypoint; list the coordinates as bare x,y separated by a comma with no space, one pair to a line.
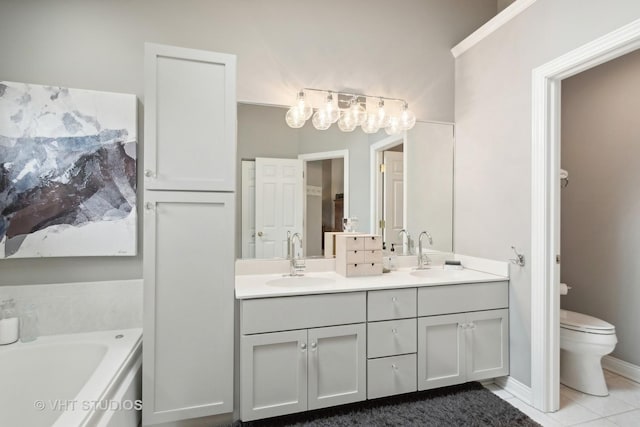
461,325
394,331
148,206
314,345
471,325
260,233
394,299
394,366
148,173
303,346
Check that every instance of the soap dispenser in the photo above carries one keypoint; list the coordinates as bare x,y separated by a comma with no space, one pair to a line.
8,322
393,258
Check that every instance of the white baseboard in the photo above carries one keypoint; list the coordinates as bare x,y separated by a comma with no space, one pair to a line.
622,368
516,388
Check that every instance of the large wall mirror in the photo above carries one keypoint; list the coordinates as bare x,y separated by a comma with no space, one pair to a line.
306,181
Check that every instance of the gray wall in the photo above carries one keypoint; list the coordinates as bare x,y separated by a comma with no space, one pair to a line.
601,206
493,138
282,45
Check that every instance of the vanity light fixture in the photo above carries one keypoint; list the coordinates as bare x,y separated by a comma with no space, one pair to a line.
350,110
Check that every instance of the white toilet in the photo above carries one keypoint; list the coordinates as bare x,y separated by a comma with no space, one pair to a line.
584,340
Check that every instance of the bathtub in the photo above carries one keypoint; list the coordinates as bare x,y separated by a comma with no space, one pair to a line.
85,380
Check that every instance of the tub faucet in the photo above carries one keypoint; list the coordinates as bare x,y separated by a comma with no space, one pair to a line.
423,259
409,241
297,263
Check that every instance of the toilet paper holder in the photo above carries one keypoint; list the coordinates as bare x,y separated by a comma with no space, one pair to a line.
519,259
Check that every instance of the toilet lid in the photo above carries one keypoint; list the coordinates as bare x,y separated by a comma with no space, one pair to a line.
580,321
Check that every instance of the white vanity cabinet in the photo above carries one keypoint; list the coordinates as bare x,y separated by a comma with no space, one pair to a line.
464,346
284,371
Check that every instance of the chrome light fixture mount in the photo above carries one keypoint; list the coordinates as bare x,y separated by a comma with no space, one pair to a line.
350,110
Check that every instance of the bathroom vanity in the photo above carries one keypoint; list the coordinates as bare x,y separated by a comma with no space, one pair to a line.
324,340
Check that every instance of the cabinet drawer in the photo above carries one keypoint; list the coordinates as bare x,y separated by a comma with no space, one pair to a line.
460,298
374,256
354,243
301,312
364,269
391,375
373,242
391,304
391,337
355,257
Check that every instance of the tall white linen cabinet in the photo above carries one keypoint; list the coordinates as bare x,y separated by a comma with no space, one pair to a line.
189,249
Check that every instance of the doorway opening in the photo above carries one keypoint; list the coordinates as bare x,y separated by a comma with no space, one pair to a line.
545,207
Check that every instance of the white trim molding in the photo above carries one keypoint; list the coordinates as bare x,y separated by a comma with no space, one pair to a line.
545,203
375,182
506,15
622,368
515,387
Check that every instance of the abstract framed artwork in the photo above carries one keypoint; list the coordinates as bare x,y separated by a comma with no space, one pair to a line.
67,172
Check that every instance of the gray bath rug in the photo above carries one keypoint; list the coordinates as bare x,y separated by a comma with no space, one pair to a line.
467,404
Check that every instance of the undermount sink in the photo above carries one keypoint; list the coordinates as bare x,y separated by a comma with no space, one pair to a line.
289,281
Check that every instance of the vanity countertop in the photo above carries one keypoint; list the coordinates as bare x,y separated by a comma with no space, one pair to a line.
279,285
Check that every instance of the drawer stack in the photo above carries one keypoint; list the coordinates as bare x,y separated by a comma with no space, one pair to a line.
359,255
391,342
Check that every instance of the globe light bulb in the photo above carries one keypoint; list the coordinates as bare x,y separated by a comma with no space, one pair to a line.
407,118
331,108
381,115
393,128
370,125
302,105
357,112
321,120
295,118
347,122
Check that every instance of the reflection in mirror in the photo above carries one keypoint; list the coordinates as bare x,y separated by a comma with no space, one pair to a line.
342,178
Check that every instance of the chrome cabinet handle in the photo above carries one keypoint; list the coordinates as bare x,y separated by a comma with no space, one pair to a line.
260,233
148,206
394,366
394,299
394,331
314,345
303,346
148,173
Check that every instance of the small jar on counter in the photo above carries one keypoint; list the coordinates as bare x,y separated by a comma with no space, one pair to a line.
9,324
29,329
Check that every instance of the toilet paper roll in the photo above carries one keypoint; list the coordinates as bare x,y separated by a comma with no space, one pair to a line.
564,289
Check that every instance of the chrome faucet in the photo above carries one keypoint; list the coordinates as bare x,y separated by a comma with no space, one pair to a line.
297,263
423,260
409,241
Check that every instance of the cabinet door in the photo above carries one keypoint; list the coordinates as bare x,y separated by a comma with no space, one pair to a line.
273,374
190,119
441,351
487,344
188,305
337,365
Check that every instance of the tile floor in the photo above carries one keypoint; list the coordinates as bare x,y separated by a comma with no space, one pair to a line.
621,408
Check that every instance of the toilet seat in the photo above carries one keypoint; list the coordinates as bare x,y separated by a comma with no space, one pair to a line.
584,323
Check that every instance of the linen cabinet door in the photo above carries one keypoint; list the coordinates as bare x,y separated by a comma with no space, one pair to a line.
273,374
487,344
337,365
441,351
188,305
190,119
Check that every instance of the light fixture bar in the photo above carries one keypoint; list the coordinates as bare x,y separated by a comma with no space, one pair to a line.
356,110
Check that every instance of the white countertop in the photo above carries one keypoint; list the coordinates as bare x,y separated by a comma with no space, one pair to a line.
279,285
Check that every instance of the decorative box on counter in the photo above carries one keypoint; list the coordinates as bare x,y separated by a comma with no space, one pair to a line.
358,255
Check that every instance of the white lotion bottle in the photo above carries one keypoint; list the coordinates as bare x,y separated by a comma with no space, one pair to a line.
9,322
